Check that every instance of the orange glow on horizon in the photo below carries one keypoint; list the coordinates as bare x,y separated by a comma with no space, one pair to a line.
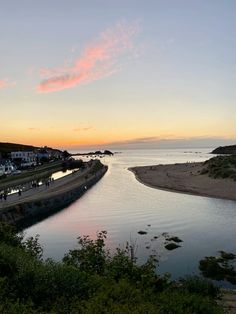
106,132
58,141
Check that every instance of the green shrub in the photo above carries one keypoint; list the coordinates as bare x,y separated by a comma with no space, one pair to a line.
199,285
220,167
90,280
179,302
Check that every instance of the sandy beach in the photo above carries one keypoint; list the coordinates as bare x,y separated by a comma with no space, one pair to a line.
185,178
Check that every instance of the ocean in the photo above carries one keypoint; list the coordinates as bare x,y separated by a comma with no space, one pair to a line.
122,206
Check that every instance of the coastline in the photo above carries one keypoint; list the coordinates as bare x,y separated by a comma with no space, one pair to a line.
185,178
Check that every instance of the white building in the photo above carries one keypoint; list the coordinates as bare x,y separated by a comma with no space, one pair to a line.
8,168
25,157
2,170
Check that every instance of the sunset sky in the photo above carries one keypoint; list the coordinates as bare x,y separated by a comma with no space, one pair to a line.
127,73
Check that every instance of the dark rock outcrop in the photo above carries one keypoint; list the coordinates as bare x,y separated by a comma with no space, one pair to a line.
96,153
107,152
225,150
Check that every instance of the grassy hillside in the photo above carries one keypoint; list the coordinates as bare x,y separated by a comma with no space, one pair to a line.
6,148
221,167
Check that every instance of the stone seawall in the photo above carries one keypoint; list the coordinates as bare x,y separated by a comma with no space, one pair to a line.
25,214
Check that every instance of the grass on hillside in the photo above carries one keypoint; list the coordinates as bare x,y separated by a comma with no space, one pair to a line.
6,148
221,167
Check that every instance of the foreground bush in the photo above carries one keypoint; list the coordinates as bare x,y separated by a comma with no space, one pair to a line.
90,280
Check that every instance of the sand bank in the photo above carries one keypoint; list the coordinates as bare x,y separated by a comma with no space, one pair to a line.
185,178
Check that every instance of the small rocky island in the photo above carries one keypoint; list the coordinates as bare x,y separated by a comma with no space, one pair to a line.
96,153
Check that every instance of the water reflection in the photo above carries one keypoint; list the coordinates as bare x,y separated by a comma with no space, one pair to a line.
34,183
121,205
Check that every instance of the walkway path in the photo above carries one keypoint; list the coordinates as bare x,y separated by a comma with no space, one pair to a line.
55,187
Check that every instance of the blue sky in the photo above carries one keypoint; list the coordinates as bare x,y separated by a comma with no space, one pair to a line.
176,82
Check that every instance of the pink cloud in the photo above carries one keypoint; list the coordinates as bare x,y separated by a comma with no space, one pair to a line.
3,83
6,83
101,58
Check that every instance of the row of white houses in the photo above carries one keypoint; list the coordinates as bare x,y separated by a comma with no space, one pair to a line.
27,158
34,156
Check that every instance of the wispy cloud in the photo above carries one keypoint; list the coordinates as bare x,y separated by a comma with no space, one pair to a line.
86,128
101,58
170,141
33,129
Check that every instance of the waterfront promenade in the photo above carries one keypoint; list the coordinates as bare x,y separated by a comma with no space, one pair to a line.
56,187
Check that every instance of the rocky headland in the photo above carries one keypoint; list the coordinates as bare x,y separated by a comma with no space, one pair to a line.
229,150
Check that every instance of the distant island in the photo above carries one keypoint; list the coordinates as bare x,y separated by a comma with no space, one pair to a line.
229,150
97,153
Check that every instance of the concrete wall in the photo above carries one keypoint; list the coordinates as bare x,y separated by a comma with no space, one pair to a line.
26,214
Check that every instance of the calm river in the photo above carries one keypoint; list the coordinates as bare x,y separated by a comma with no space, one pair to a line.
123,206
